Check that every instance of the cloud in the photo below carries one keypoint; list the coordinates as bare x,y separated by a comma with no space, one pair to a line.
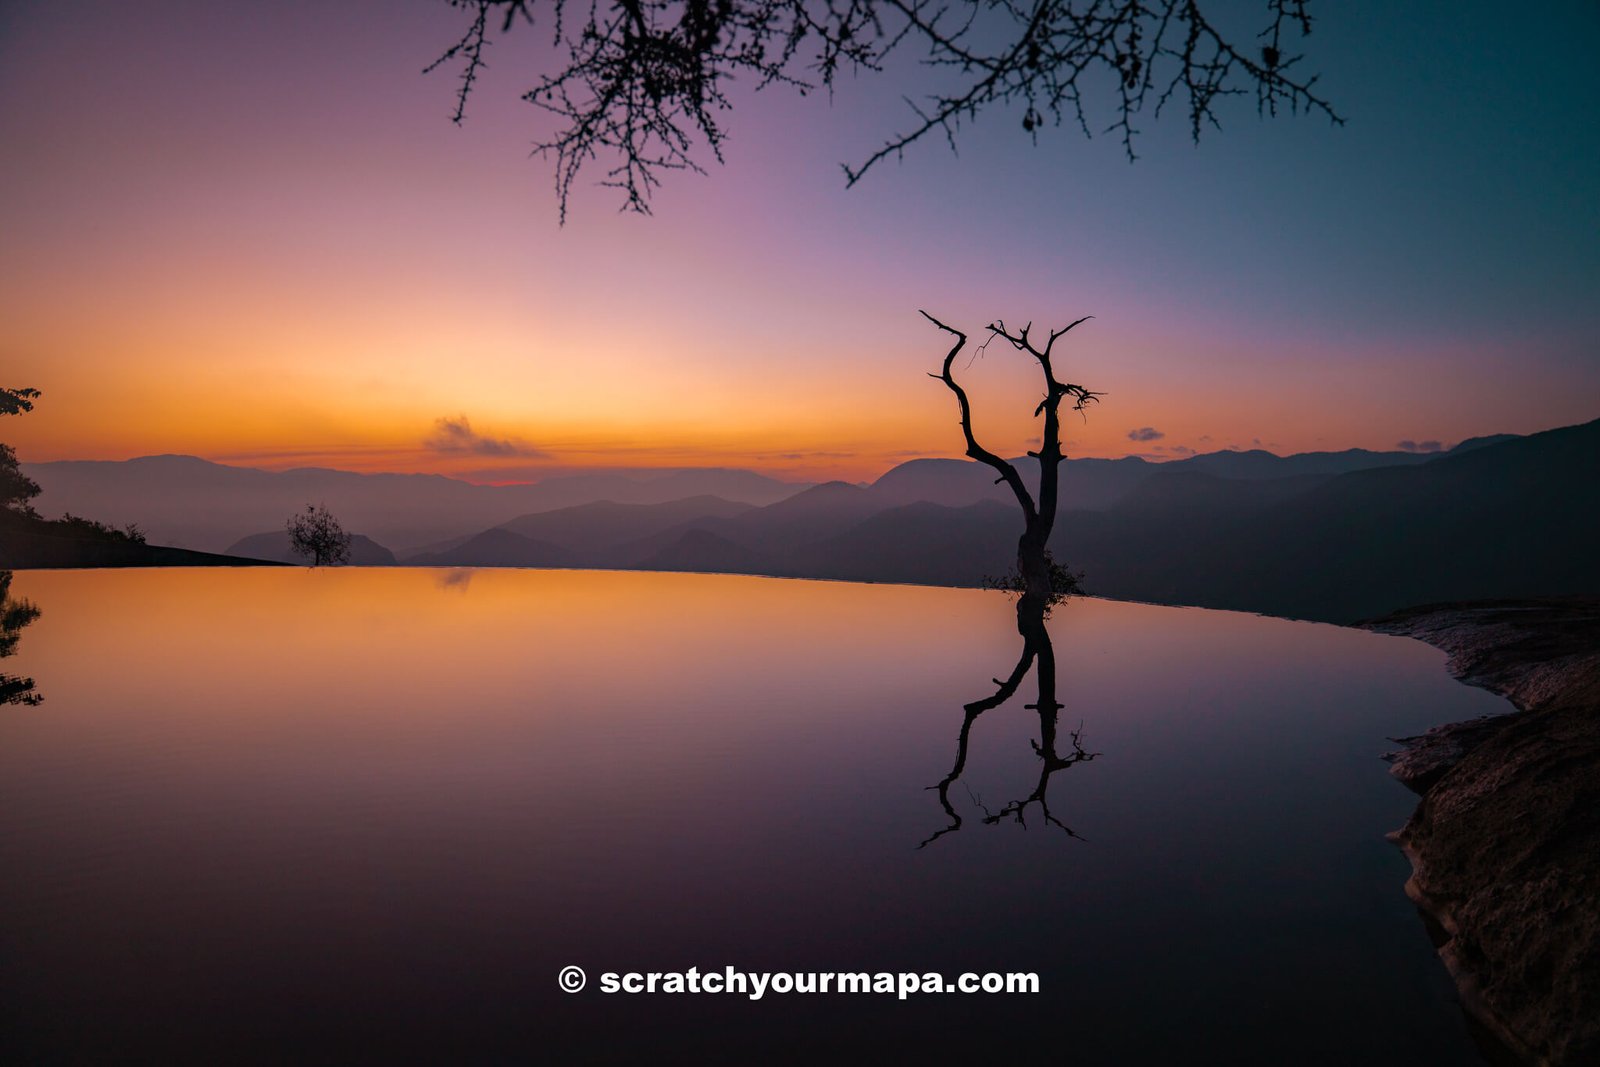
808,455
1145,433
457,436
1420,446
1180,450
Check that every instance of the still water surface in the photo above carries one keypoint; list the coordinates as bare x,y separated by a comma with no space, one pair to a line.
368,815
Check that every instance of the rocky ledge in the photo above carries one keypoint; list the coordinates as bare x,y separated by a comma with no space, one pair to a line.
1505,845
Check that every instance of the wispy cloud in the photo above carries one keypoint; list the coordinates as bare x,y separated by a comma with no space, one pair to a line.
1145,433
804,455
457,436
1420,446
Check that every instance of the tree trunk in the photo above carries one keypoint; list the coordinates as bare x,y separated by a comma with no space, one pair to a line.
1033,566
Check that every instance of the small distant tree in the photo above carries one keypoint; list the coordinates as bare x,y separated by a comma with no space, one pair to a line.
316,536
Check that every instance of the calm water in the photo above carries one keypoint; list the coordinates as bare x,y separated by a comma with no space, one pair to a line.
368,815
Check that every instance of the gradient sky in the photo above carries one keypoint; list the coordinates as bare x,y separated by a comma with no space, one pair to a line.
249,231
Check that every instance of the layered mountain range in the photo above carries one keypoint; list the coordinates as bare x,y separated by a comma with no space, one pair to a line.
1329,535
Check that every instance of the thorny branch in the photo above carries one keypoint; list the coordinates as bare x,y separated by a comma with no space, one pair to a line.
644,83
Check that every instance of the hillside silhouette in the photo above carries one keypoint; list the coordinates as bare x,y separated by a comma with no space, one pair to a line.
194,503
1336,536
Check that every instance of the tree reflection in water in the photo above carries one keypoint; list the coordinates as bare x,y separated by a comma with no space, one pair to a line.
1036,650
15,614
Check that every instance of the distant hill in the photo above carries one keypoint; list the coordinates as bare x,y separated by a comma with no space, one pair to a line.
590,528
1257,464
1519,517
951,482
1478,442
499,548
1100,484
1515,516
194,503
759,538
30,542
928,544
1091,483
274,545
702,550
820,511
1332,535
1194,493
731,484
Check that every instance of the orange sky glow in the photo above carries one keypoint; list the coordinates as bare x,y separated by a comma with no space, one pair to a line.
203,256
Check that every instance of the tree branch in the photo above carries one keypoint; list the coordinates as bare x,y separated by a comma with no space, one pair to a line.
644,81
1006,690
1007,472
1049,454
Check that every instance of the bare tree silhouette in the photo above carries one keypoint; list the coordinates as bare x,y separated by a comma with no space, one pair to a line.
645,82
1041,581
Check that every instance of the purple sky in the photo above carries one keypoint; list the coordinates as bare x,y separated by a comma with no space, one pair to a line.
250,232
